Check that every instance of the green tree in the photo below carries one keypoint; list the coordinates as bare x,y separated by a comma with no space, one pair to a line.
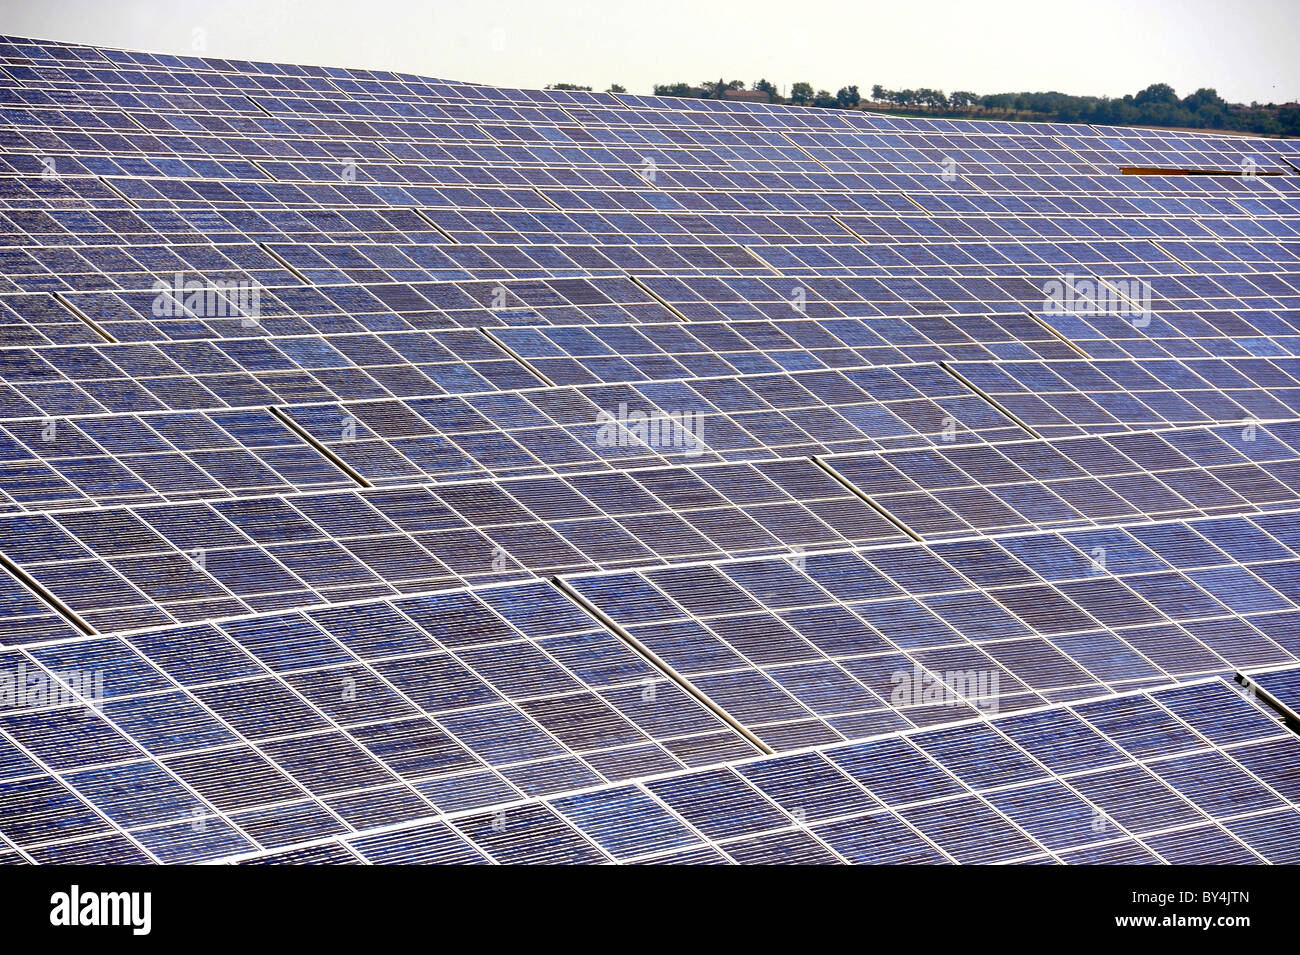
569,86
1157,105
1288,120
1204,99
763,86
928,97
674,89
1207,108
1157,94
719,89
616,88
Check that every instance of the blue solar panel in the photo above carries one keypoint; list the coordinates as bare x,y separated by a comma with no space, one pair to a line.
401,470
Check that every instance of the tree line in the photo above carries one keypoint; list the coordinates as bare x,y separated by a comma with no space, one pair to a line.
1157,105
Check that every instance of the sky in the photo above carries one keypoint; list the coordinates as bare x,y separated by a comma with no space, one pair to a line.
1245,50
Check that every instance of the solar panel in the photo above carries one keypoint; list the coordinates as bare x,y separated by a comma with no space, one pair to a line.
995,791
401,470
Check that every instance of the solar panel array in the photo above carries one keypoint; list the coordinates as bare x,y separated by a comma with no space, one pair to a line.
401,470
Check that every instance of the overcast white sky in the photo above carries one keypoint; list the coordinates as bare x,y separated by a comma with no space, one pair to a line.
1245,49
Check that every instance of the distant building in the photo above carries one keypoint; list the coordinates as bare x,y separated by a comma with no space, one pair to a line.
749,96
